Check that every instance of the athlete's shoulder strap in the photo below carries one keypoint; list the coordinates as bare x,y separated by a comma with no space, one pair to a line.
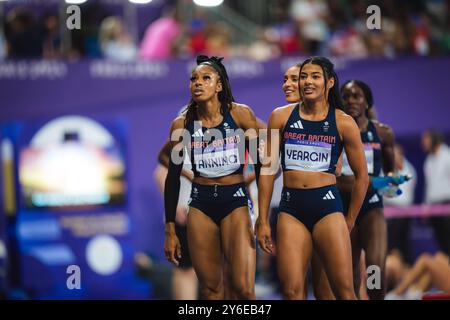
295,113
331,116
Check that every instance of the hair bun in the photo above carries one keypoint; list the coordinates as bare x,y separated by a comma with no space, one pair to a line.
215,62
202,58
213,59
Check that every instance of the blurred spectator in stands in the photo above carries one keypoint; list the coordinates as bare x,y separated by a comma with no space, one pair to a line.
347,30
52,37
334,27
392,36
377,43
398,228
437,183
284,33
218,40
161,36
421,35
444,41
263,48
348,43
24,38
196,38
311,17
403,29
115,42
85,42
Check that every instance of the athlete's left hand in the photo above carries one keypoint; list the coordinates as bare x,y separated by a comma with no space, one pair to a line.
264,237
172,248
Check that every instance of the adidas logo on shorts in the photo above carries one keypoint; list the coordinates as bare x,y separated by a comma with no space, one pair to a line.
374,199
239,193
329,196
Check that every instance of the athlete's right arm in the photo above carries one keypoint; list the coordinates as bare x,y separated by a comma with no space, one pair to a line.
172,247
164,154
266,180
163,159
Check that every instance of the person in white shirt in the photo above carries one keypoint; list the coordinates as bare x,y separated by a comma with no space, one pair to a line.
437,182
115,41
398,228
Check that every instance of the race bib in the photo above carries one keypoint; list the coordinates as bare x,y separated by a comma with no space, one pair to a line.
368,152
346,170
307,155
218,161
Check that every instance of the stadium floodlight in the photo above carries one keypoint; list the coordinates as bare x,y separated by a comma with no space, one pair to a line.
208,3
75,1
140,1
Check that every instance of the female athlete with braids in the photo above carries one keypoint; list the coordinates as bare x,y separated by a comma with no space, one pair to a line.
311,136
211,133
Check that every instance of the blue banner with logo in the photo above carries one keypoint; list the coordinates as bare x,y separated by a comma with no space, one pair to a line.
73,224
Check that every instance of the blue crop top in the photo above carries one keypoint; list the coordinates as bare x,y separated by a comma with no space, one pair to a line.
312,146
218,151
372,151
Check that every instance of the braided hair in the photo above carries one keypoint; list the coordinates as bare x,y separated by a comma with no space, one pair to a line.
225,96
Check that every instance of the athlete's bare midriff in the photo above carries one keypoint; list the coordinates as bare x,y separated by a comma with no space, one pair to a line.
296,179
227,180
